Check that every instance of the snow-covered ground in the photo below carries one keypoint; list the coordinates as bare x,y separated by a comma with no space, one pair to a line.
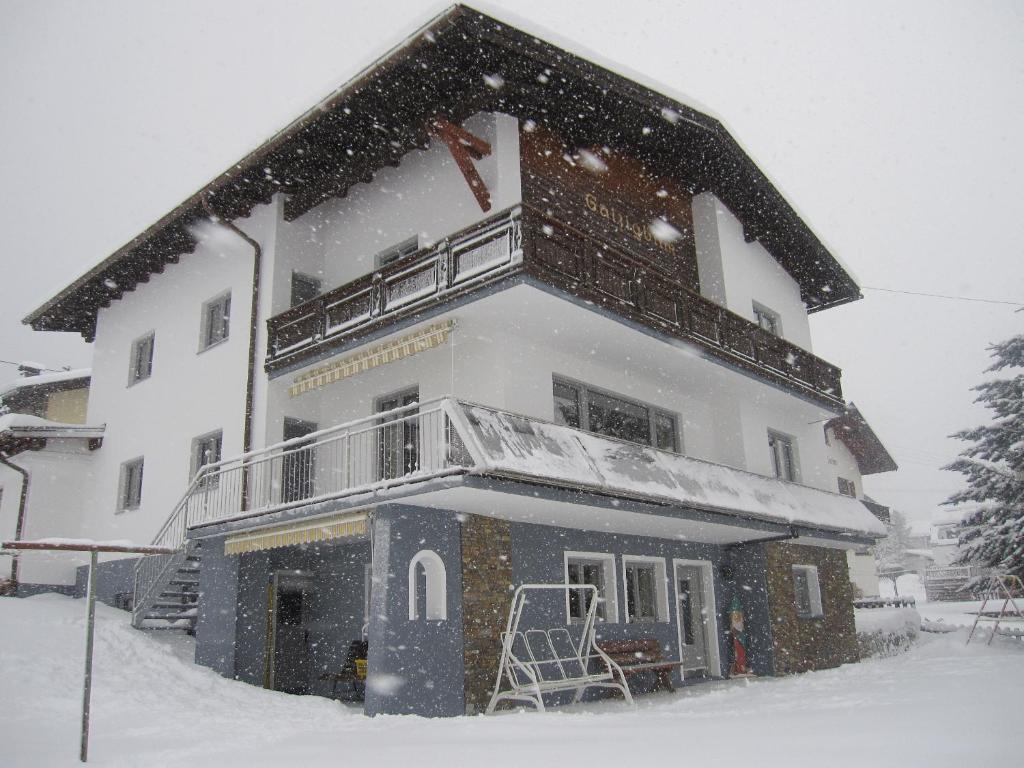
953,614
938,705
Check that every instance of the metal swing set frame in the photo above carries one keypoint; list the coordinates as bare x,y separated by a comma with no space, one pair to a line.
536,662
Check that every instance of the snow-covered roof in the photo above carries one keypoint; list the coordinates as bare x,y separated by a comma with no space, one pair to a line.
56,377
449,68
515,446
19,430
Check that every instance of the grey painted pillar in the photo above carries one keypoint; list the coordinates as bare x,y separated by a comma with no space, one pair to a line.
414,666
218,600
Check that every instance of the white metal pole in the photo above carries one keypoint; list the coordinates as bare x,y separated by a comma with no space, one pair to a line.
87,684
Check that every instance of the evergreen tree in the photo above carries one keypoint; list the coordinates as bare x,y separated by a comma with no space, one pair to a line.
891,552
993,534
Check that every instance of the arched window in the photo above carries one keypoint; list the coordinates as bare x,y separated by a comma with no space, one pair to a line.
428,593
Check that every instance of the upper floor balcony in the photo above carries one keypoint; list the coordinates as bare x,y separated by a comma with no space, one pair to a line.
524,244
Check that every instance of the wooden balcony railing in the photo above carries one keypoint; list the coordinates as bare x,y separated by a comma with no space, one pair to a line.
579,263
458,264
524,240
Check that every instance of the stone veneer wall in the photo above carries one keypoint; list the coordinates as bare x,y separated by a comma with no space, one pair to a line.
805,644
486,596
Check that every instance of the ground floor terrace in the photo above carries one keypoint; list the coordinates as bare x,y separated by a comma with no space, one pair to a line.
423,595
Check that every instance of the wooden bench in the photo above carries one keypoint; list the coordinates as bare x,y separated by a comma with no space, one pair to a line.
641,655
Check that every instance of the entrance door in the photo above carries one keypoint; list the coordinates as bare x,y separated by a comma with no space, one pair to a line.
298,467
398,444
693,618
291,595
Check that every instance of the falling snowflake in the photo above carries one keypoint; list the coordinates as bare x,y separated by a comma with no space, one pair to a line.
663,232
592,162
494,81
670,115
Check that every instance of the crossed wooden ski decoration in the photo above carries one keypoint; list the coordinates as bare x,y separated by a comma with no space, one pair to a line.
465,148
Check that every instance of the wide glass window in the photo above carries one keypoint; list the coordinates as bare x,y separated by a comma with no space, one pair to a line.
608,414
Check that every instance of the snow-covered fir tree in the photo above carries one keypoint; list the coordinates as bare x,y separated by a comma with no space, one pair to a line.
993,535
891,552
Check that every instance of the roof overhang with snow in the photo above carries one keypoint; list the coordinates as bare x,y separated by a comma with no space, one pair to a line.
856,434
461,63
20,432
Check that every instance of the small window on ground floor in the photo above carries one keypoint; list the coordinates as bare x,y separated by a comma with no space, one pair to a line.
807,592
597,570
646,593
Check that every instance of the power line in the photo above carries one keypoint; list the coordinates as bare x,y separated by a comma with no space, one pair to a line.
944,296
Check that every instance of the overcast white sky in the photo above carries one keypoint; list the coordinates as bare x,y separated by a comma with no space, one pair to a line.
894,127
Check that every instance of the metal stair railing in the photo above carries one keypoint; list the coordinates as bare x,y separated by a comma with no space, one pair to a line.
410,443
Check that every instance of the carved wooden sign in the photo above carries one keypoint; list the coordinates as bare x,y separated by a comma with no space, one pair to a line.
612,198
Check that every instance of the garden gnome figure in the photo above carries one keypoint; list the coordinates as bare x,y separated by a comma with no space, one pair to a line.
739,639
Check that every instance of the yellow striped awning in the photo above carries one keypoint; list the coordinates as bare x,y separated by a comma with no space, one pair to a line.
419,341
306,532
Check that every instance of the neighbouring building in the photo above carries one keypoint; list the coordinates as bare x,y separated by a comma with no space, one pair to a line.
46,455
490,314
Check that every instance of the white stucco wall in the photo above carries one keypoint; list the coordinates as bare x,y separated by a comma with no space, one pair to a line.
735,273
189,393
55,507
843,464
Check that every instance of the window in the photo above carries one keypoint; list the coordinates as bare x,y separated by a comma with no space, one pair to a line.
129,494
215,321
428,593
142,359
607,414
846,487
398,439
646,594
304,288
206,449
783,456
767,320
598,570
397,252
807,592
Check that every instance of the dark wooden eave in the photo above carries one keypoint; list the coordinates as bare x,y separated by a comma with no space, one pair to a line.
461,63
856,434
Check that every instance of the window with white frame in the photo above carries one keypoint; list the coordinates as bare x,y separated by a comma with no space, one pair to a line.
428,592
598,570
807,592
592,410
646,592
206,449
783,455
129,493
216,321
846,487
141,366
767,319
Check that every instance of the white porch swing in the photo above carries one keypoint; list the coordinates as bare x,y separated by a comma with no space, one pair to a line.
535,662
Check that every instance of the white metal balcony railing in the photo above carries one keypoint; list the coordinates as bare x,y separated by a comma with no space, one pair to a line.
444,437
402,445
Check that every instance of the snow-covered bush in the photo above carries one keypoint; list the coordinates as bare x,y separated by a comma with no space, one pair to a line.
886,631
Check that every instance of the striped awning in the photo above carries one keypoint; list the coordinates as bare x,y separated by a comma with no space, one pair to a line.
419,341
305,532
